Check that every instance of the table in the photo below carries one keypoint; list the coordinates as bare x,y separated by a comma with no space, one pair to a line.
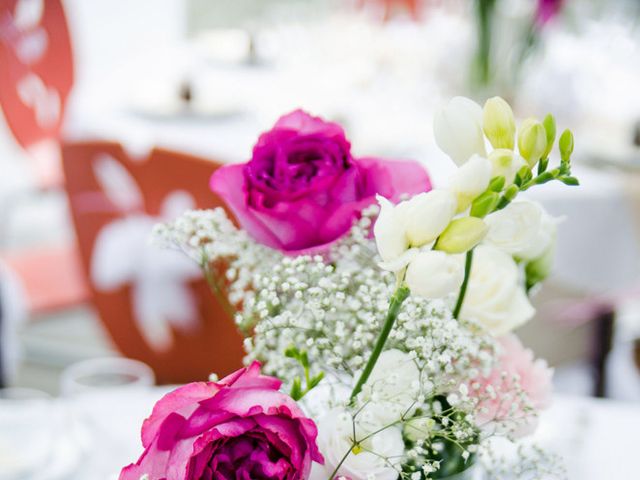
597,438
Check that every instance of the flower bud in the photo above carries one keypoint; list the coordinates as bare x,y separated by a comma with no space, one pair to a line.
427,215
462,235
434,274
470,180
566,145
458,129
505,163
389,231
484,204
498,123
532,141
549,124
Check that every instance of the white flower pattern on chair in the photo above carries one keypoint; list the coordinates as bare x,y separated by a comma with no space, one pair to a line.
122,255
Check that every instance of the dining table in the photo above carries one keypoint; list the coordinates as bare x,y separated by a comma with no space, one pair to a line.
98,434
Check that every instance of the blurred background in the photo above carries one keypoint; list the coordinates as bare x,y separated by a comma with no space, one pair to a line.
116,112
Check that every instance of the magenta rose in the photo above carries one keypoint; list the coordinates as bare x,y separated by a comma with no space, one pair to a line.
240,428
302,188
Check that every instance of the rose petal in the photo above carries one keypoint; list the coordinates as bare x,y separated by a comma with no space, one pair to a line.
183,400
392,178
229,183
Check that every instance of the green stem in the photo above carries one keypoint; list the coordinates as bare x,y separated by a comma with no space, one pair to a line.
399,296
463,288
216,290
483,55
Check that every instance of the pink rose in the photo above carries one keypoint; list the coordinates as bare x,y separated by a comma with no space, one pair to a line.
240,428
302,188
517,370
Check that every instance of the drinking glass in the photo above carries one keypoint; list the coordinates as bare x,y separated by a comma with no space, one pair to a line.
103,396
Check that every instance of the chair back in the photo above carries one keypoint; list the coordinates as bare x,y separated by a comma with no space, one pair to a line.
153,302
36,76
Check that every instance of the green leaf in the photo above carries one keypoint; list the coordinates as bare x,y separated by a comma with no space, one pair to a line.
296,389
291,352
315,381
304,359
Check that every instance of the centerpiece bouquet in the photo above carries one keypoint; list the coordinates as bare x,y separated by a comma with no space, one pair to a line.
377,310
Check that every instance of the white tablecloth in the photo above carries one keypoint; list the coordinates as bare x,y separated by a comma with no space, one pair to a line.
597,438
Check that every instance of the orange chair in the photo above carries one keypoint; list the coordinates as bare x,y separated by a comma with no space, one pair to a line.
52,278
156,307
36,76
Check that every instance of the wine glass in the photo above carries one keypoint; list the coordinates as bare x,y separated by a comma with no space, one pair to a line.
104,395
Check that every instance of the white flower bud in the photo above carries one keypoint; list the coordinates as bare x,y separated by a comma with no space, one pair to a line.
470,180
426,215
498,123
389,231
458,129
532,141
434,274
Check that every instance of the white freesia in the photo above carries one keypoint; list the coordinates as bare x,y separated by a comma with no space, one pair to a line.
458,129
379,457
427,214
391,390
498,123
523,229
389,231
470,180
495,296
505,163
434,274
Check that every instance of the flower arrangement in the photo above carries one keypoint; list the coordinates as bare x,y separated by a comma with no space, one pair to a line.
382,307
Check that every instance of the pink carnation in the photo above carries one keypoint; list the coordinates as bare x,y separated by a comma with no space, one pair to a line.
241,427
517,370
